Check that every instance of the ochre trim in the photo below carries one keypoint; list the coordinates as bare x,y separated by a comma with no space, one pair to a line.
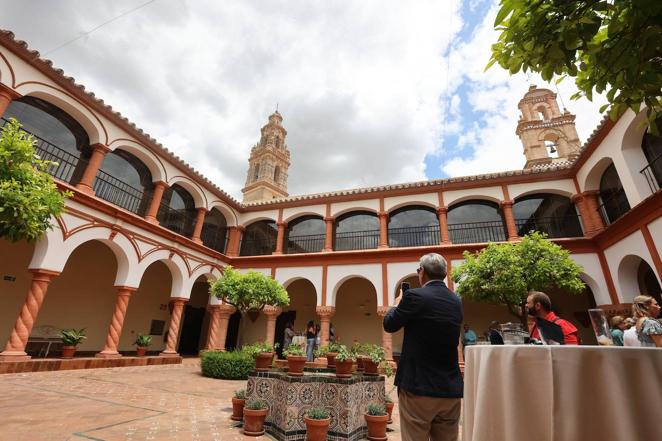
610,282
385,289
641,214
325,270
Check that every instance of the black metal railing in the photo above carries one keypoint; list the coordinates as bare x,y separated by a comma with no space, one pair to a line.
554,227
356,240
215,238
413,236
310,243
111,189
258,246
64,163
653,173
614,207
477,232
178,221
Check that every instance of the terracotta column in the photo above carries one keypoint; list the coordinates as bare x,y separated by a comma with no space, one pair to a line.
271,312
328,240
325,313
225,311
234,240
444,238
214,327
117,322
507,208
173,330
7,95
15,348
280,238
593,208
159,188
199,223
89,175
587,218
387,339
383,229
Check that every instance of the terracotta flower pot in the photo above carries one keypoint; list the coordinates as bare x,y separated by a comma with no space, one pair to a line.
316,430
68,351
295,365
263,361
141,351
360,360
370,367
389,409
376,427
331,360
254,421
237,409
344,368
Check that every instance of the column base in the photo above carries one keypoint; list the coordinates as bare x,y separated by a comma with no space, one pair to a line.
104,354
168,354
198,241
14,356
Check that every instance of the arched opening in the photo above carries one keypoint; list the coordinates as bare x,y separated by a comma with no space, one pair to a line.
177,211
195,323
476,221
413,226
276,174
552,148
259,238
614,201
636,277
215,231
356,318
651,144
256,172
548,213
356,230
125,181
60,138
648,284
303,301
305,234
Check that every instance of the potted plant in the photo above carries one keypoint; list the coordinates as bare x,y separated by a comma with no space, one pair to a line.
344,362
389,408
70,339
142,343
359,351
296,359
374,356
317,424
377,419
238,402
387,369
329,351
255,412
263,354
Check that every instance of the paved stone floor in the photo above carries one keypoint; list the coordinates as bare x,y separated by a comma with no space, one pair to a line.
172,402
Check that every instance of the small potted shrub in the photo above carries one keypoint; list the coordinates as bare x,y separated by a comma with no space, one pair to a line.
389,408
263,354
377,419
142,343
70,339
238,402
359,351
296,359
374,356
317,424
386,368
330,353
255,412
344,362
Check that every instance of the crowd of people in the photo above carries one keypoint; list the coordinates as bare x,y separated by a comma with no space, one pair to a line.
312,336
642,329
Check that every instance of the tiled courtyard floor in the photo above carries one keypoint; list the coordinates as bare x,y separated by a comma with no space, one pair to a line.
172,402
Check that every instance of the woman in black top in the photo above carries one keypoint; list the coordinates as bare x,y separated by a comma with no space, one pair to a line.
310,340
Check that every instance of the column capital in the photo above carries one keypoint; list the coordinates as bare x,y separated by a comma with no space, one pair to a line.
506,204
329,219
160,184
325,312
178,300
9,92
125,290
575,198
382,213
383,310
590,193
270,310
237,227
281,224
442,210
101,148
43,275
202,210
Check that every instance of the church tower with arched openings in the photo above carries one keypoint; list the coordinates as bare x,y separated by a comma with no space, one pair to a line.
547,135
268,163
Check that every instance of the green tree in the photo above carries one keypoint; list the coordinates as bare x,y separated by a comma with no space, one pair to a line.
505,273
28,196
249,291
613,46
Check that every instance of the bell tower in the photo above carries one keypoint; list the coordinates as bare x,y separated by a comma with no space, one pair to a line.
268,163
547,135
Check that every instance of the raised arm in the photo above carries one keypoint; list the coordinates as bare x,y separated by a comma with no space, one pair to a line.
400,315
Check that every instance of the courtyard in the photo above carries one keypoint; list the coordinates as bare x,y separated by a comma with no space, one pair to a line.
170,402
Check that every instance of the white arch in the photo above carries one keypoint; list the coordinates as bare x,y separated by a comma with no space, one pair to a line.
360,207
210,272
230,215
295,216
87,119
258,219
481,198
551,135
544,190
6,74
593,276
338,274
285,276
397,272
345,279
192,187
141,152
592,180
627,275
178,270
412,203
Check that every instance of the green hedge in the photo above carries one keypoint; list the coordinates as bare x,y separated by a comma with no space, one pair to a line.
235,365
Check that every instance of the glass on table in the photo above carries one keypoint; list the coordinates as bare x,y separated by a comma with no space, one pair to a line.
600,327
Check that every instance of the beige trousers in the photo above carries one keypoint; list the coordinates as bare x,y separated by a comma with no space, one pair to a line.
428,418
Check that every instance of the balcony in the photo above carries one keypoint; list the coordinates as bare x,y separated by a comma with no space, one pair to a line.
258,246
614,207
215,238
311,243
177,221
554,227
653,173
413,236
356,240
477,232
116,192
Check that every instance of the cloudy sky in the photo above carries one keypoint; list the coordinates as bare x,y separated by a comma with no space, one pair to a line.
371,92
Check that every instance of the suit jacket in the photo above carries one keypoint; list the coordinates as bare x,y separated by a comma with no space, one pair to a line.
428,365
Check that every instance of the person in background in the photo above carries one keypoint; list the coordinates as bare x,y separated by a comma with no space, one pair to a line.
289,335
318,336
649,331
539,305
332,333
469,337
310,341
630,334
618,325
495,334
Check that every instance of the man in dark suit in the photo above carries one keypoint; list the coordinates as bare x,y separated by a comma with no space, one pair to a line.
428,377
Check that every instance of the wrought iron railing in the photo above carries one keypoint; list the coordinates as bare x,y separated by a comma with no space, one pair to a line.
178,221
215,238
653,173
554,227
413,236
477,232
64,163
111,189
356,240
259,246
614,207
310,243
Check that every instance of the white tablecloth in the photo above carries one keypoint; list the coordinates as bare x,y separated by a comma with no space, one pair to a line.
562,393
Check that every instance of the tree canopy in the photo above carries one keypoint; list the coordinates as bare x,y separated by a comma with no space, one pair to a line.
249,291
607,46
505,273
28,196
